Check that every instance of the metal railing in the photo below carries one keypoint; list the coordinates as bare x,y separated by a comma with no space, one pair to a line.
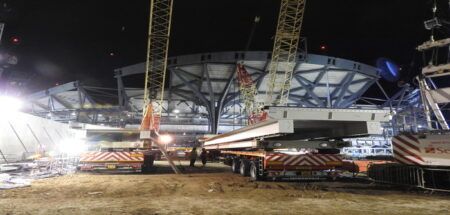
435,179
397,174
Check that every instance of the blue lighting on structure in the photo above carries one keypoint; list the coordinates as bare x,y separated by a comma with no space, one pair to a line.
388,69
392,68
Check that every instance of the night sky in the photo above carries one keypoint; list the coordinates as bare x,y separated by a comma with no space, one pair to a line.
62,41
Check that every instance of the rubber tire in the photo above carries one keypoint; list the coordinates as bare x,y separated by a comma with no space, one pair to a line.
228,161
235,165
253,171
244,168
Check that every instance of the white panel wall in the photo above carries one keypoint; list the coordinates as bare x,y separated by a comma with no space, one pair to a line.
17,140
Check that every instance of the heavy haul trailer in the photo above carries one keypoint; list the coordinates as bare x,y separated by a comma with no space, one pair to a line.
116,150
262,150
117,156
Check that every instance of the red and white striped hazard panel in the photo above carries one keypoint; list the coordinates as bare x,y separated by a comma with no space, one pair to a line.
303,160
407,149
111,156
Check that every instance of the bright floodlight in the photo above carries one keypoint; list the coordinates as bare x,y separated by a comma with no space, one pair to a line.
9,104
176,111
165,139
72,146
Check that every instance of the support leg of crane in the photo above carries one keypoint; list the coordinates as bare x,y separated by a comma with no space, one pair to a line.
169,159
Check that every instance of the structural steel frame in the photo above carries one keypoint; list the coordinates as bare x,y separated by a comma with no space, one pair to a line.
216,102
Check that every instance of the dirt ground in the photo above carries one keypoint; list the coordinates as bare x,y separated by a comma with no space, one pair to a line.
211,190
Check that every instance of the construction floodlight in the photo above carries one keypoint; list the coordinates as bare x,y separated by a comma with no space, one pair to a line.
432,23
9,104
165,139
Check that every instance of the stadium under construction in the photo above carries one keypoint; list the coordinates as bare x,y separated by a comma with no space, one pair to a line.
202,97
217,132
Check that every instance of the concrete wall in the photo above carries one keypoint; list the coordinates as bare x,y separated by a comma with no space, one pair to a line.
22,135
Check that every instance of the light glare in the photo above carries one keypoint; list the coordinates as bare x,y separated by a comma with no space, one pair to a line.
9,104
165,139
72,146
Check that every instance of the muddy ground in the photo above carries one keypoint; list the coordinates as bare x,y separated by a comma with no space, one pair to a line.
211,190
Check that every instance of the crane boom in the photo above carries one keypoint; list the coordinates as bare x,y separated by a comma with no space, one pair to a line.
156,65
247,88
248,92
155,72
284,53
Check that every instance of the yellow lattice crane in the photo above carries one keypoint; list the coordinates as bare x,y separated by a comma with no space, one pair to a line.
248,91
156,65
155,72
284,57
284,53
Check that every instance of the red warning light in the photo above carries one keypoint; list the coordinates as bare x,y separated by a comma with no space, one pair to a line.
323,47
15,40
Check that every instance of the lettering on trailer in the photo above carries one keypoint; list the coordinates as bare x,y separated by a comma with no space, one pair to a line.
303,160
111,156
436,150
438,147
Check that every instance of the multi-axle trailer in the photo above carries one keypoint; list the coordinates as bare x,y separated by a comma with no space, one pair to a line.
295,143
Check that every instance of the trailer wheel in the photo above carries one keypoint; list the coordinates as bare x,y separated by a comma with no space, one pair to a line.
244,167
235,165
254,173
228,161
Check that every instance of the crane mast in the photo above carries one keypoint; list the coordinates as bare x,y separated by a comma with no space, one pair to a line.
284,53
284,57
431,95
156,65
248,91
155,73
